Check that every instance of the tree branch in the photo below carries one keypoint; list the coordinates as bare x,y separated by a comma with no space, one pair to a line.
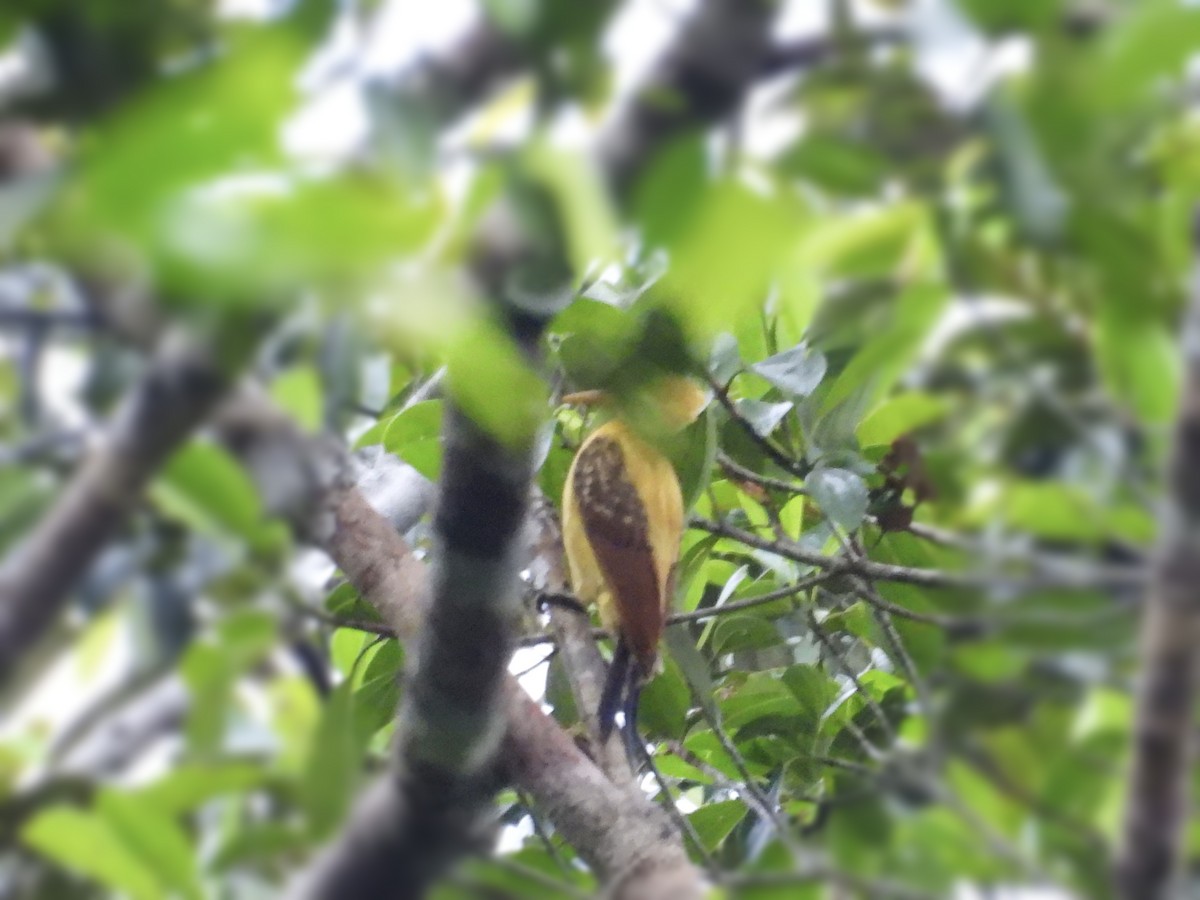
175,394
1105,579
1164,739
617,831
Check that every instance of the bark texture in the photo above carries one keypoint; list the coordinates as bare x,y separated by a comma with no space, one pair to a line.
1164,747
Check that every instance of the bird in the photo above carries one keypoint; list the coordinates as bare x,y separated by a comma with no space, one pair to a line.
623,520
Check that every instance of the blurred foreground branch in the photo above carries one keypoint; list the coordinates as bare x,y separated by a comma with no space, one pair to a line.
1164,730
176,393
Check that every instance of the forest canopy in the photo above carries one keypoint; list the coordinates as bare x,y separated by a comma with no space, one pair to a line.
290,297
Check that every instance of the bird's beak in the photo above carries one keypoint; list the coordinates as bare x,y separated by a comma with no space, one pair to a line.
584,398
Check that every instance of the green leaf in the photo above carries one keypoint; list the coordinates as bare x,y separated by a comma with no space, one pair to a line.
839,165
1053,510
332,772
796,372
210,683
415,435
190,180
900,415
841,494
725,221
714,821
495,386
378,695
870,243
155,838
203,486
1140,363
265,842
812,688
665,702
1153,40
990,661
514,17
298,392
759,697
89,844
583,200
693,666
733,633
190,785
695,457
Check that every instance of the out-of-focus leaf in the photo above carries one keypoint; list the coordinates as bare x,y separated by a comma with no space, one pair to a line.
192,784
192,179
1140,364
898,416
495,386
203,486
515,17
209,682
414,434
298,392
878,364
760,696
583,201
796,372
841,494
259,842
706,225
872,243
378,694
89,844
1153,40
155,838
990,661
839,165
724,361
333,763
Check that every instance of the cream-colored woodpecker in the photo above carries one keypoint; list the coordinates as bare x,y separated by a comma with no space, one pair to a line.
623,520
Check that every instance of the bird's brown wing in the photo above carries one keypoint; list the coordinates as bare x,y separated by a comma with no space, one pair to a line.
614,519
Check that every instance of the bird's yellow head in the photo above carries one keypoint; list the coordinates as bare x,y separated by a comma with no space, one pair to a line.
668,404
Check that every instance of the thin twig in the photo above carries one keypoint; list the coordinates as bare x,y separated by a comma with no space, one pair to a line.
764,443
827,642
931,578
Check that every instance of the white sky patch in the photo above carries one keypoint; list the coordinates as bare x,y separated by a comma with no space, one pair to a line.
637,36
406,29
62,372
330,126
956,59
533,680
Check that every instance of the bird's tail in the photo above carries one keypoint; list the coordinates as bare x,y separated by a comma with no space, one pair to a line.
613,695
622,690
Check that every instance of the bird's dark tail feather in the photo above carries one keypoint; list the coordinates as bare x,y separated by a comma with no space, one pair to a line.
634,748
611,697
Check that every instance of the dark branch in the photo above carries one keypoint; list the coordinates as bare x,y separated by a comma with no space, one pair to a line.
1164,730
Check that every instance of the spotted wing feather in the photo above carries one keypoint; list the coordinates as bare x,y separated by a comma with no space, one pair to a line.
614,519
